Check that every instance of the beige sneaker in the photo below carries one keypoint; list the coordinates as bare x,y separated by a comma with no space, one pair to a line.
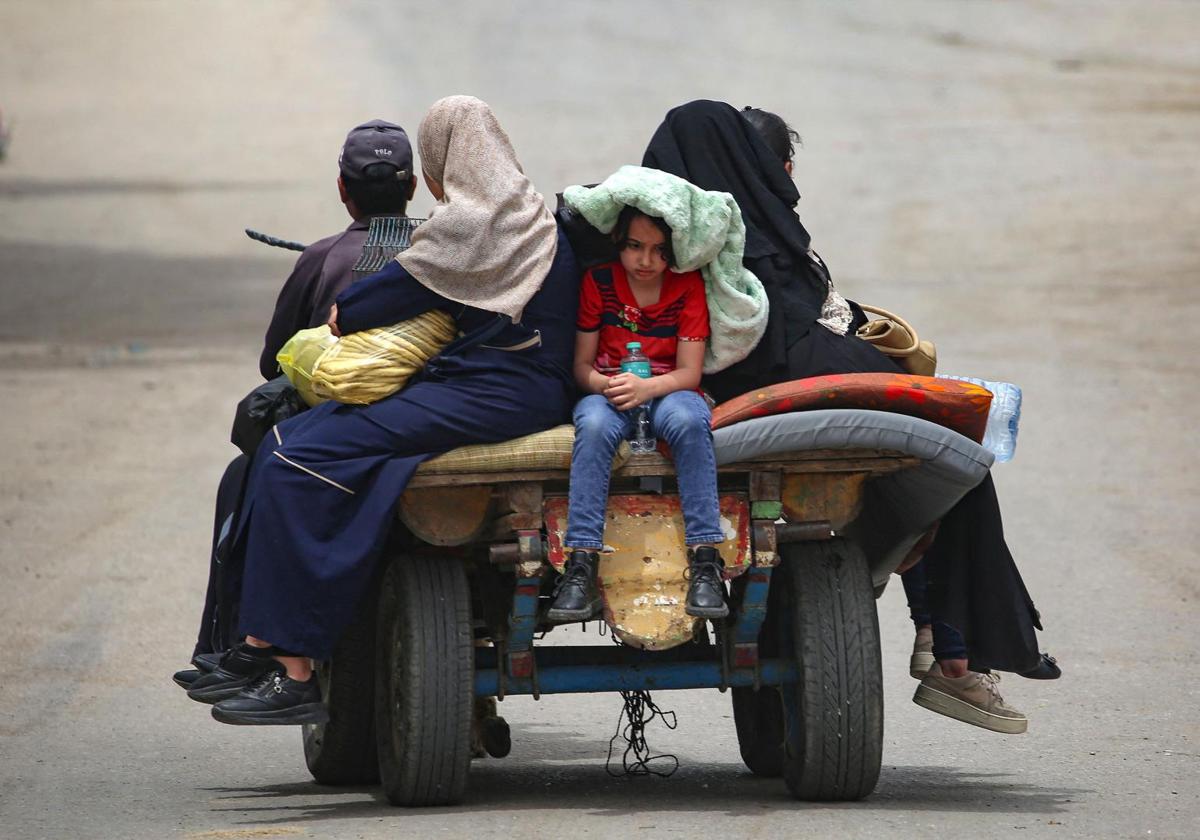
922,656
973,699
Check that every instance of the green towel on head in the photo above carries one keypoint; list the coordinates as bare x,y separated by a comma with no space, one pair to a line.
707,234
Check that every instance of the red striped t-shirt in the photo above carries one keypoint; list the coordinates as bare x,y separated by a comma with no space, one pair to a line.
607,304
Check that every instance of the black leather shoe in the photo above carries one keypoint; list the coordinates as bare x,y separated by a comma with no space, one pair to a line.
204,662
1046,669
186,677
275,699
239,667
706,588
575,596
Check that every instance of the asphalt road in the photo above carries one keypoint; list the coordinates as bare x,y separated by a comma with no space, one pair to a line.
1019,179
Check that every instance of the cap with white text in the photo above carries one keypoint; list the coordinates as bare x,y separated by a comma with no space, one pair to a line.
373,142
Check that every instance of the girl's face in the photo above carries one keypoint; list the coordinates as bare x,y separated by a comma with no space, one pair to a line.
642,254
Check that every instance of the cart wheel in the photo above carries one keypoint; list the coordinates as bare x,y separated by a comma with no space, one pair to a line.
424,681
758,715
342,751
834,714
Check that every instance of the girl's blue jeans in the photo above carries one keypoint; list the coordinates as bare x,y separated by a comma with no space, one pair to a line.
681,419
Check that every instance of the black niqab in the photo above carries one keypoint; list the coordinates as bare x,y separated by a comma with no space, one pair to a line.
710,144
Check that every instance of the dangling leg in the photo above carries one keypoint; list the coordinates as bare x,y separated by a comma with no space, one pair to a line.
599,428
319,507
683,419
951,687
914,591
217,622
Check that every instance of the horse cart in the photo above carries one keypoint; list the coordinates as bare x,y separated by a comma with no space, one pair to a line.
818,506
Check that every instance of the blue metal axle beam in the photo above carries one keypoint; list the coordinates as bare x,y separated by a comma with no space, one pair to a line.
552,656
643,676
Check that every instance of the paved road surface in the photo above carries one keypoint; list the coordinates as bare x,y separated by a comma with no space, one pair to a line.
1019,178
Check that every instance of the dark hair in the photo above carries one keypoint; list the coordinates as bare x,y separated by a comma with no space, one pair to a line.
620,233
378,192
780,137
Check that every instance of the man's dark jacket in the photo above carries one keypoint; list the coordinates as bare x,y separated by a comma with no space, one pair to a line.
320,275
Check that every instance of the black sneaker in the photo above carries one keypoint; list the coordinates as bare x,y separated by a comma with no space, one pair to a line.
239,667
275,699
706,585
185,678
205,663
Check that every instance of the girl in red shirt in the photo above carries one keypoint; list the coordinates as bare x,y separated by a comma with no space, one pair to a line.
639,298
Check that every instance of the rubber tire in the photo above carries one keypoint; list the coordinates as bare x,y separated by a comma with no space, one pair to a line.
834,714
342,751
758,715
424,692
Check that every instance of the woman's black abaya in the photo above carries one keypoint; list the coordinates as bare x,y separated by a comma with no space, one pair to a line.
710,145
974,584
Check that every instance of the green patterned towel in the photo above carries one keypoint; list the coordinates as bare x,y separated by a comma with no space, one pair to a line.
707,233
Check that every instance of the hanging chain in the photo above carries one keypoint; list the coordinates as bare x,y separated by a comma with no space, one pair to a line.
637,703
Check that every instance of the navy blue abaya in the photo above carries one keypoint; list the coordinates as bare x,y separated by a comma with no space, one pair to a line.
324,485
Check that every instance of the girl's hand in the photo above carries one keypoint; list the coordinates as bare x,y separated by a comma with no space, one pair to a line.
332,322
626,391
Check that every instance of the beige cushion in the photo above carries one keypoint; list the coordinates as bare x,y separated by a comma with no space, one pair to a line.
548,450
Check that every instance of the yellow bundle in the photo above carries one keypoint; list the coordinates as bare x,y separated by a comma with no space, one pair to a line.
363,367
299,355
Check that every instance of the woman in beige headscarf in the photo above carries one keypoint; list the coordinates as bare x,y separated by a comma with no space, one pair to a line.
324,486
491,240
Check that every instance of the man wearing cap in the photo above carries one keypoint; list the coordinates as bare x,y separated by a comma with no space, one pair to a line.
375,179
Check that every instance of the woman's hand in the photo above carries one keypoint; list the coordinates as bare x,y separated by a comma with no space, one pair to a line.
332,322
628,390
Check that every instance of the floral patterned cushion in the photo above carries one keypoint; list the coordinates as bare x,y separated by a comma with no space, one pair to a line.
961,406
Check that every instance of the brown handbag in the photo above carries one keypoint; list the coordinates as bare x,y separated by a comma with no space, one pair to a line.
895,337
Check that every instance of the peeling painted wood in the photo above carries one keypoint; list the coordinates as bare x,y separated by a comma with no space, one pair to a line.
835,497
505,527
642,578
446,515
520,497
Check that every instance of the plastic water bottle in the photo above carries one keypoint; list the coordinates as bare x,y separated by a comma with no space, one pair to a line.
635,362
1004,416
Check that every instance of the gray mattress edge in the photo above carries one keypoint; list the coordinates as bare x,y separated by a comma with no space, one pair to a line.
897,507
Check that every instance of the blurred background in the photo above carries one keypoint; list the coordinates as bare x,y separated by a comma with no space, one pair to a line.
1018,179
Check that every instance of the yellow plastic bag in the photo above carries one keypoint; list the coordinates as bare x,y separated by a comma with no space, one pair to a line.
363,367
298,357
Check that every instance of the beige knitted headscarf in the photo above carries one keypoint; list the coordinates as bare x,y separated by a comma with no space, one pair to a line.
490,242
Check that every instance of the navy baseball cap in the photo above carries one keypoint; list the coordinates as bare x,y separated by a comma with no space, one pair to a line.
376,142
